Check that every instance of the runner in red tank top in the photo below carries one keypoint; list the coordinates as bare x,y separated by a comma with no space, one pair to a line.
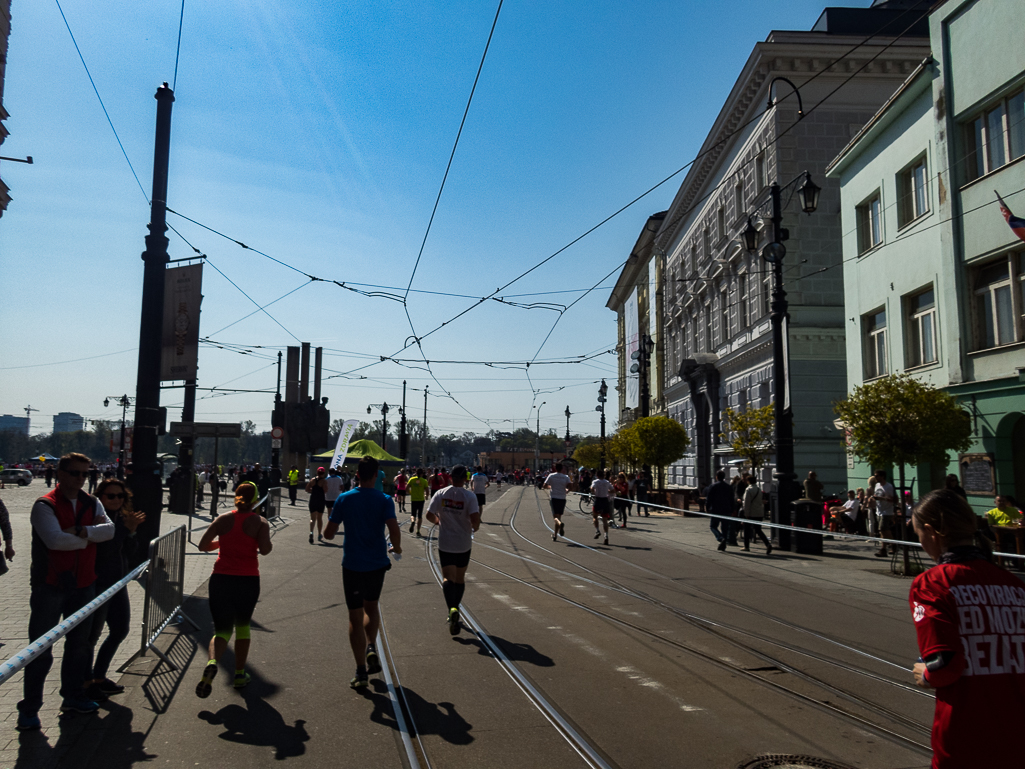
241,536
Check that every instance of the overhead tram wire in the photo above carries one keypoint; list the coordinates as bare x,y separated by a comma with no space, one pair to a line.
102,105
178,50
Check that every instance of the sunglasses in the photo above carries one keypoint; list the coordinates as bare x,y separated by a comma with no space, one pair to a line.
76,473
114,496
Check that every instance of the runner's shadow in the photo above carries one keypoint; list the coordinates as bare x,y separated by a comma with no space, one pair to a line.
514,651
259,723
441,719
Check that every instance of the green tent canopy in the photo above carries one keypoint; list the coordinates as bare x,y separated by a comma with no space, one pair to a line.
363,448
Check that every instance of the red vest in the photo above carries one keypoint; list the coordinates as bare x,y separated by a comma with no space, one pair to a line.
48,564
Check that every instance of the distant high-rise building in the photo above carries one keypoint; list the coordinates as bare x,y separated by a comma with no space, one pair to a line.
14,424
67,422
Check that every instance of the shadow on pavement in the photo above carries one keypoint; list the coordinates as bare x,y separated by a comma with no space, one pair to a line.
260,724
441,719
514,651
163,682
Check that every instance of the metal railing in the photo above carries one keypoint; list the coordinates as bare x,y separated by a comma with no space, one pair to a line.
48,639
165,588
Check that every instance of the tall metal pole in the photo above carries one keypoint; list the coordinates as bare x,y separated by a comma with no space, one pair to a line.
186,457
537,441
423,447
784,475
603,390
384,428
146,480
121,449
277,420
403,438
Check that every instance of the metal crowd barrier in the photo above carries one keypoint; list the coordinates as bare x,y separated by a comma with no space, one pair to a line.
165,589
41,644
792,529
271,505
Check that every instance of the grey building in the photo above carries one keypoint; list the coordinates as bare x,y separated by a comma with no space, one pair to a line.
68,422
14,424
714,316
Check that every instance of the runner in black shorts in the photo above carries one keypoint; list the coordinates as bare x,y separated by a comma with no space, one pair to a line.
454,510
478,483
602,492
558,482
364,512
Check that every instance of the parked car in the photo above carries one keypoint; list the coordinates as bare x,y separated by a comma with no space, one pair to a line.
18,476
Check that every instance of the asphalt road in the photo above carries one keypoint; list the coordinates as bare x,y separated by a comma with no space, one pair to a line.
655,650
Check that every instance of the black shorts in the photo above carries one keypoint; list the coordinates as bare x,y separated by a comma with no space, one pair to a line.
481,500
232,600
558,507
416,509
601,507
360,586
459,560
400,492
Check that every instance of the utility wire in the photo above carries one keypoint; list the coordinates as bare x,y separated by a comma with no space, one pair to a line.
177,53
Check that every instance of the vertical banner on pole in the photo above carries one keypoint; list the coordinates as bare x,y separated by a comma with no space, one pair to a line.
183,292
632,341
344,438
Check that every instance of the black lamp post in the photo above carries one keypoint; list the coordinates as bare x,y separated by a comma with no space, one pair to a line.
773,253
642,356
537,441
124,401
568,415
384,420
603,391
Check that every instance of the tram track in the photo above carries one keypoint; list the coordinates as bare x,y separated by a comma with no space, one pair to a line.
721,630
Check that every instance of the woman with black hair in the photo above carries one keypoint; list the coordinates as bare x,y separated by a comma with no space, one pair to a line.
112,559
970,619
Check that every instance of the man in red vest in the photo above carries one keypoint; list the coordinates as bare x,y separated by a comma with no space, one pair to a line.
66,524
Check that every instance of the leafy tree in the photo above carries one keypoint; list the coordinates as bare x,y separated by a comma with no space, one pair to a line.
899,420
661,441
624,448
751,434
588,454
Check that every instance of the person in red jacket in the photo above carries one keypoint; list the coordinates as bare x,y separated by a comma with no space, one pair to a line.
969,616
66,525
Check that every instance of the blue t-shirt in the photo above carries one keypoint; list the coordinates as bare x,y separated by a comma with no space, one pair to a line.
362,514
379,484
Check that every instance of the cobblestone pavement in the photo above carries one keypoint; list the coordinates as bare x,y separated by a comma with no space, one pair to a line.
14,611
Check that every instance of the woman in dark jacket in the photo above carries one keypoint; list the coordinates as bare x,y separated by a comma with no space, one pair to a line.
111,566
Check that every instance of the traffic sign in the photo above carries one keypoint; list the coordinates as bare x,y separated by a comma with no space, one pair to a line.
275,443
206,429
277,434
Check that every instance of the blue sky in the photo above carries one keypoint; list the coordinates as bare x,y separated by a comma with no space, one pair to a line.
319,133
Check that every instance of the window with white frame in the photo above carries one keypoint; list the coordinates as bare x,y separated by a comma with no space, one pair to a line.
912,192
761,172
998,307
743,319
921,320
995,136
870,225
875,344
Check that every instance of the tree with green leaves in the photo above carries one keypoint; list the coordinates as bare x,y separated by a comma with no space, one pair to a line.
661,441
751,434
898,420
588,454
623,448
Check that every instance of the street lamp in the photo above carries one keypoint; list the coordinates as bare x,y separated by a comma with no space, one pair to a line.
773,253
568,415
124,401
603,392
384,420
643,357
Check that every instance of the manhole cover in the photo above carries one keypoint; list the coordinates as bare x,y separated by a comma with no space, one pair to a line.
787,761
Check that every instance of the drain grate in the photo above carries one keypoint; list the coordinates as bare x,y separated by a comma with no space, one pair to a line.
788,761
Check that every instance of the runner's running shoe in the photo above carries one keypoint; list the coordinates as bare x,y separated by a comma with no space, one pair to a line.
205,685
242,680
453,621
373,661
359,681
606,539
411,525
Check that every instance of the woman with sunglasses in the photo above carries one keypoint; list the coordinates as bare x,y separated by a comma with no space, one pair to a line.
112,559
241,536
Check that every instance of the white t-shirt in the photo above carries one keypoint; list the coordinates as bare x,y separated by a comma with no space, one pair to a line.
454,505
601,488
851,508
333,487
558,482
884,506
477,482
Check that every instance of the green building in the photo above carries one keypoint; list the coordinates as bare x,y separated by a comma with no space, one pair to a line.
934,277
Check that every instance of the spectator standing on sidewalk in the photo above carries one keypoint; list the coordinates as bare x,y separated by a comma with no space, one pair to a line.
364,513
954,484
754,510
813,487
885,496
66,525
112,558
293,484
5,529
719,500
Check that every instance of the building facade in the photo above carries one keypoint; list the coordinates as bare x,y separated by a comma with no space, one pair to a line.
5,35
68,422
715,319
14,424
935,278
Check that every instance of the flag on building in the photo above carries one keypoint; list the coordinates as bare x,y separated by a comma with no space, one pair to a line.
1016,223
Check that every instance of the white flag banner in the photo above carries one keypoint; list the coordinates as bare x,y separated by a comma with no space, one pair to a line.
344,438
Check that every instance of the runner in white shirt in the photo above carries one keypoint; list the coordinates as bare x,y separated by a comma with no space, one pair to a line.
332,488
454,510
478,482
557,482
603,493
